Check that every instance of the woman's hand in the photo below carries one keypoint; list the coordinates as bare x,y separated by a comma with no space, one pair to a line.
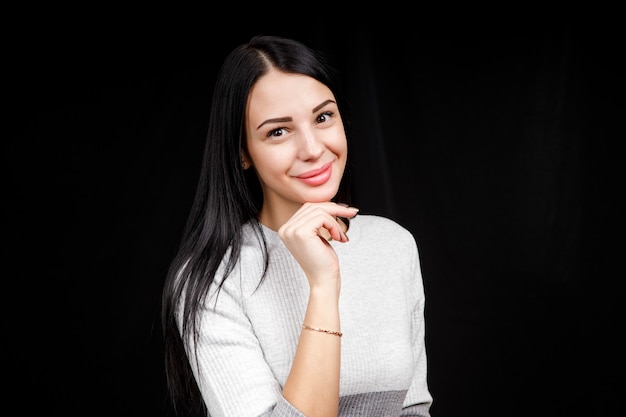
306,235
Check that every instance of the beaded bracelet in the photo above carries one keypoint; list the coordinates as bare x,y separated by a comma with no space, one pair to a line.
315,329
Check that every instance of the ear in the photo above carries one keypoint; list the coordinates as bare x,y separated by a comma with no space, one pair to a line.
245,160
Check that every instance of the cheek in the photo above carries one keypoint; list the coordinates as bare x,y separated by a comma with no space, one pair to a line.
339,145
270,161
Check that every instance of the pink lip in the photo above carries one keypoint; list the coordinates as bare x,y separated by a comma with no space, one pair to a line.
317,176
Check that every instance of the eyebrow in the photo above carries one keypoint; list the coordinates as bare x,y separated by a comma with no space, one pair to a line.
289,119
316,108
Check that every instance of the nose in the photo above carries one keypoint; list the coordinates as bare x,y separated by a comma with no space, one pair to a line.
310,145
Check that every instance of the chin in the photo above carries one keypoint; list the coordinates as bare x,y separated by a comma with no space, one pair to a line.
320,197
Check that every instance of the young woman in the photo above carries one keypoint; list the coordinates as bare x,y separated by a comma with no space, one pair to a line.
281,300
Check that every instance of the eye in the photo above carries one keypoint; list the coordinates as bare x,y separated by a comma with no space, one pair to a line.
276,133
324,117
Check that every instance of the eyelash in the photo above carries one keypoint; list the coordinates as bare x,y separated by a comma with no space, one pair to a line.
328,114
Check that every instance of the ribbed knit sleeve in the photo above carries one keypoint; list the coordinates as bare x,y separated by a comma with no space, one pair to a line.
231,368
249,331
418,399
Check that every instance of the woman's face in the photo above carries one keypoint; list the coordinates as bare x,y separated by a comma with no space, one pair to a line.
296,142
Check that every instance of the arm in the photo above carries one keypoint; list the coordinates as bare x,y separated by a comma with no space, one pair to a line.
230,365
418,399
228,361
313,382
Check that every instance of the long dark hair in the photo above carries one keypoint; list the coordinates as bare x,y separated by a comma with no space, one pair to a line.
226,198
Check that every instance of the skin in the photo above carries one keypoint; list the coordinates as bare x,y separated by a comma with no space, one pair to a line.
296,143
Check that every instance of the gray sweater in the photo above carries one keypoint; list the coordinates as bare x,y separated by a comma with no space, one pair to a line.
249,332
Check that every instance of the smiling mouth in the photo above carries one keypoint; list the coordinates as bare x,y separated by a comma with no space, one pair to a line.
315,172
317,176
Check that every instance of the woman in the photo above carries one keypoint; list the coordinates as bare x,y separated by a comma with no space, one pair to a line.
280,301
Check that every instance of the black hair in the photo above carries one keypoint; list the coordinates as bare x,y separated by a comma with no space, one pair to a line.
227,197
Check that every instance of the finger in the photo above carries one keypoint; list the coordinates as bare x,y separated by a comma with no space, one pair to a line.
319,219
340,209
343,220
336,210
309,221
331,227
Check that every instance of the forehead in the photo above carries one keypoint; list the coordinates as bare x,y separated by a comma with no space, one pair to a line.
278,94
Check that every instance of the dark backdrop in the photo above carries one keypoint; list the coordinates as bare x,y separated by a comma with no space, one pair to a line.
496,145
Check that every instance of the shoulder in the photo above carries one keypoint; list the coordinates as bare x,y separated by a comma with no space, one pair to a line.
379,243
373,220
381,233
254,248
379,225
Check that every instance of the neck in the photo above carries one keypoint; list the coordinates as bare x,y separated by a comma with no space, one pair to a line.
274,219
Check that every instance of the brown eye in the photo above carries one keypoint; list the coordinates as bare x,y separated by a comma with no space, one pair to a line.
323,117
276,132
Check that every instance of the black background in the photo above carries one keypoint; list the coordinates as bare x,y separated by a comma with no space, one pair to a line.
497,145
